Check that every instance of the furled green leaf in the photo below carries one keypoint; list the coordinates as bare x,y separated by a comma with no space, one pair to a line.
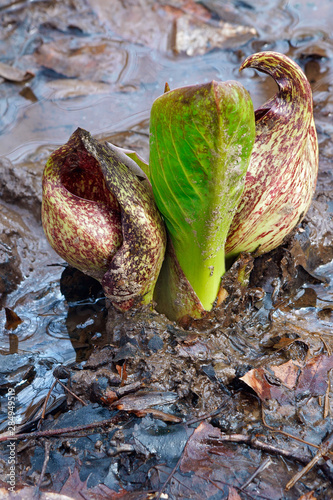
131,159
201,139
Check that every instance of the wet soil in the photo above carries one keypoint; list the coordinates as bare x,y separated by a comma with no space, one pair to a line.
169,393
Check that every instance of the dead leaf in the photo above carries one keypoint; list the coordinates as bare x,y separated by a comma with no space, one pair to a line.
142,400
313,378
76,59
160,415
73,486
77,489
287,382
308,496
233,495
14,74
12,319
121,369
287,373
195,37
210,468
70,87
283,343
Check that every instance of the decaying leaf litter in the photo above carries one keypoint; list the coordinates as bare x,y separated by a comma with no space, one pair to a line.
276,332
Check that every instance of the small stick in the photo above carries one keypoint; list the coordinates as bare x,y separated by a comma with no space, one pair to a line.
327,396
58,432
323,450
260,445
47,446
210,414
45,404
71,392
170,476
327,347
287,433
262,467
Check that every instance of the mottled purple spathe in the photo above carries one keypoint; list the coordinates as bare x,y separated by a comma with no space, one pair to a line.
101,219
282,174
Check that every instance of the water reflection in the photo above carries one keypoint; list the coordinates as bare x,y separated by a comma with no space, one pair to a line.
309,311
57,329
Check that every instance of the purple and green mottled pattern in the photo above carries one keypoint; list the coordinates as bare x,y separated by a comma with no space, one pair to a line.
201,138
132,274
281,178
80,216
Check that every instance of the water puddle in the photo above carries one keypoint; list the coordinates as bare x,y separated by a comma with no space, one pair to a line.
310,310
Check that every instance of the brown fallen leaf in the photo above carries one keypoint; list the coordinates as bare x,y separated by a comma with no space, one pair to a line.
121,369
12,74
209,467
233,495
12,319
308,496
287,373
142,400
212,466
77,490
287,382
195,37
77,59
160,415
283,343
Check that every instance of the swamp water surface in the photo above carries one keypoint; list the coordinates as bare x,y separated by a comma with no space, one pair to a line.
100,65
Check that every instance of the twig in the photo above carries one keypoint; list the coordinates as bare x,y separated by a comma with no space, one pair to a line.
45,404
261,445
71,392
48,397
323,450
231,486
287,433
210,414
327,347
170,476
262,467
57,432
327,396
176,479
47,447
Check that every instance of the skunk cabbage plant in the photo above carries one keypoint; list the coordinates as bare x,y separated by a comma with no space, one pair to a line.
282,175
225,180
201,138
102,220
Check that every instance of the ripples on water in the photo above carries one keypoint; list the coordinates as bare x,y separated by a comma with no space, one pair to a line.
32,127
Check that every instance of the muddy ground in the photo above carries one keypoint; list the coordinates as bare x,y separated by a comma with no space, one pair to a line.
232,406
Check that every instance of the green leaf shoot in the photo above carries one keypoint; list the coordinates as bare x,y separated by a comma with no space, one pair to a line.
201,138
